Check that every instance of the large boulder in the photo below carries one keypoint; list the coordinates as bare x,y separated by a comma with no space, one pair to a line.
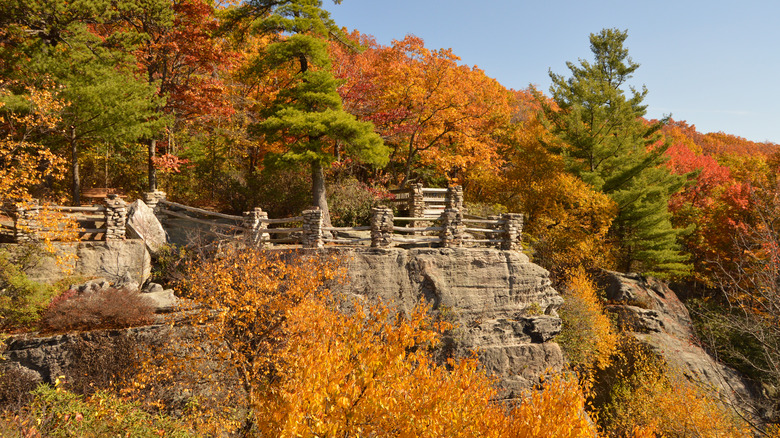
112,260
143,224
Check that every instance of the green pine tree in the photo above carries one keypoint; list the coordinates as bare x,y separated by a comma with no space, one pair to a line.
607,143
307,115
107,101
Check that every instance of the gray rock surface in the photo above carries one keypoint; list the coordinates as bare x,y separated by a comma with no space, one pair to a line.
504,305
652,311
111,260
143,224
163,301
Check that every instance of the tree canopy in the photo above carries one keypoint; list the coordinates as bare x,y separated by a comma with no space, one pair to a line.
601,134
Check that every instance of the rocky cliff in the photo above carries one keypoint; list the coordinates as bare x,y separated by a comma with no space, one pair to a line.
654,315
504,305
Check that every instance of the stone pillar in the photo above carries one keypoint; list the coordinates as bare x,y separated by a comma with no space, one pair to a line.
26,225
116,217
513,229
454,198
255,226
416,200
312,228
381,227
152,199
452,228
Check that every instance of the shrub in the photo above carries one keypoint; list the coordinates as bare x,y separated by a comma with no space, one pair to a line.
107,308
15,387
350,202
101,361
587,337
169,264
22,301
55,412
649,395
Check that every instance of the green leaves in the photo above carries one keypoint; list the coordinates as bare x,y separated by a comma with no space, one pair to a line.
608,144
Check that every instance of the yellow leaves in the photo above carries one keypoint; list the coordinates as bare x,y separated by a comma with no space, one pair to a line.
25,163
317,366
587,337
652,399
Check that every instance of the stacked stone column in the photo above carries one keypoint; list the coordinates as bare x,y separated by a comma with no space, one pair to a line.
381,227
312,229
255,224
26,224
513,229
152,199
454,198
416,200
451,219
116,217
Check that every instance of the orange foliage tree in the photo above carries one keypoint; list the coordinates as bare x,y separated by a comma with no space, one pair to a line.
567,222
431,111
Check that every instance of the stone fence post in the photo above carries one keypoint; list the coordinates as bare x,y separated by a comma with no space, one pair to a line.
116,217
312,228
453,228
381,227
416,200
513,229
26,224
454,198
255,226
152,199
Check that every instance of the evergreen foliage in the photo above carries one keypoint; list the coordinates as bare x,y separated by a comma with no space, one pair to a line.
605,141
97,78
307,114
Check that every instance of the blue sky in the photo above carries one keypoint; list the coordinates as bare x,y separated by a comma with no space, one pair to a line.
714,64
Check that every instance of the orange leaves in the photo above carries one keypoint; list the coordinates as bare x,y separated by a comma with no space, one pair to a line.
587,337
651,396
430,110
24,162
313,365
371,374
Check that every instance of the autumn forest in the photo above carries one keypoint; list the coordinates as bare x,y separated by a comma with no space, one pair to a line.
233,105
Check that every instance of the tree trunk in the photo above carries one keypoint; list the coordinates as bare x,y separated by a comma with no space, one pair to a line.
318,191
152,170
76,182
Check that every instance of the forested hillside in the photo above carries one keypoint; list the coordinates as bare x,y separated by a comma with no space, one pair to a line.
235,105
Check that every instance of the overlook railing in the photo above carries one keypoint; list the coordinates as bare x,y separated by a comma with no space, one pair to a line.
449,228
435,218
97,222
419,201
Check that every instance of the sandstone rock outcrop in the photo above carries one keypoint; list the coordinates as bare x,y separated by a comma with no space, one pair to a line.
504,305
652,312
112,260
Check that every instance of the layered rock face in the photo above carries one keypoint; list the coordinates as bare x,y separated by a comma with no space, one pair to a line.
655,316
504,305
113,260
